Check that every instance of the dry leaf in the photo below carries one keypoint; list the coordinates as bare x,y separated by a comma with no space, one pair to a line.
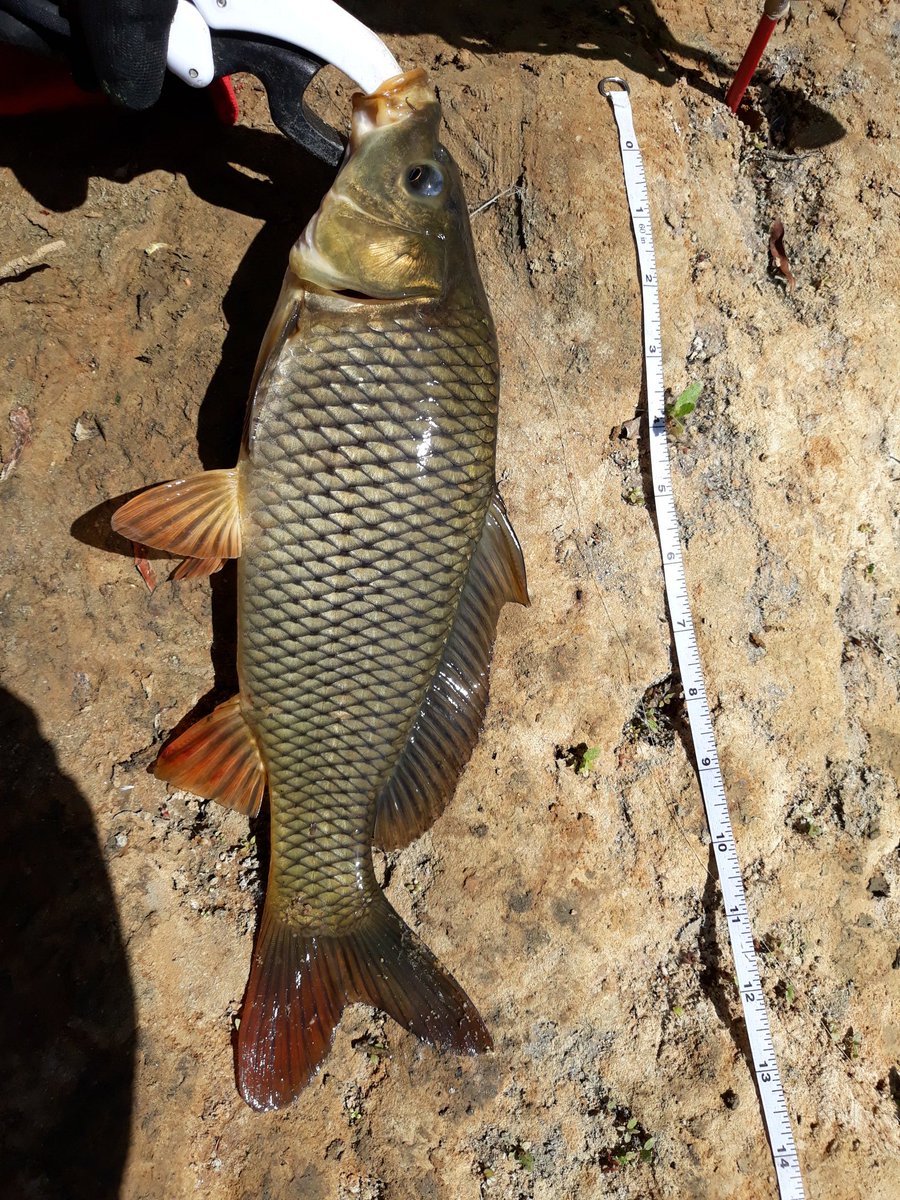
21,425
629,430
778,255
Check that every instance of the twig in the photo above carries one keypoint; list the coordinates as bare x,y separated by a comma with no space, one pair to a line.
16,266
513,187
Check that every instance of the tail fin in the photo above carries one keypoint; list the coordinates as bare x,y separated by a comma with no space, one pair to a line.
299,985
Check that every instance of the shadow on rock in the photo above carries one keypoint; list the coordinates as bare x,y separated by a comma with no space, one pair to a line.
69,1029
716,971
55,157
631,32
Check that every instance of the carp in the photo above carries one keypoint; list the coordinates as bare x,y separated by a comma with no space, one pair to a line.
374,556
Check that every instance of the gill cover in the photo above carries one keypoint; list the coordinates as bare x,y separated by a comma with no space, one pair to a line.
395,213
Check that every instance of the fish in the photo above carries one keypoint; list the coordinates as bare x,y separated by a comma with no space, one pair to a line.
374,555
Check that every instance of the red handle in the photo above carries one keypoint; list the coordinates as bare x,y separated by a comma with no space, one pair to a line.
774,11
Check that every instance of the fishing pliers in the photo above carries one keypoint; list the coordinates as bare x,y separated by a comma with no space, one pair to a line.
282,42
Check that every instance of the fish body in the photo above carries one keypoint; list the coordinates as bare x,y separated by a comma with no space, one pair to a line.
373,558
366,482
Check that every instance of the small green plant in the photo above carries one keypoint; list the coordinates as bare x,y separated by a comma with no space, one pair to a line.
851,1042
786,991
524,1158
633,1144
679,409
635,497
654,717
807,826
581,758
374,1051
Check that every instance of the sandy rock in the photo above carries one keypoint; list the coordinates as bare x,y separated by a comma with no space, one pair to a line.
577,906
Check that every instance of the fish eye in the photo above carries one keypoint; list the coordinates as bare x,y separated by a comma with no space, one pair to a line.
424,179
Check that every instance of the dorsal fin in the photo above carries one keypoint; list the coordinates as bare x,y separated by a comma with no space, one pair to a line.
444,733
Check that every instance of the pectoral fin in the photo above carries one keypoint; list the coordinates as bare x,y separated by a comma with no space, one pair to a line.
198,517
219,759
449,722
197,568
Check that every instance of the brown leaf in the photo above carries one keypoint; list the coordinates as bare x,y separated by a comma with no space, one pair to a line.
21,424
630,430
778,255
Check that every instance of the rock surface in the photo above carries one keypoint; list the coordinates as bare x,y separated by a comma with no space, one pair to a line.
572,894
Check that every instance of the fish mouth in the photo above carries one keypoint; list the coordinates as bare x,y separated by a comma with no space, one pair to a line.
398,98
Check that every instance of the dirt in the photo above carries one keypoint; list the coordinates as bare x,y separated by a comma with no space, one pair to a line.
570,884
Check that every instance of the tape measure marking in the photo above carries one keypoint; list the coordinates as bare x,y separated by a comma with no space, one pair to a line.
712,785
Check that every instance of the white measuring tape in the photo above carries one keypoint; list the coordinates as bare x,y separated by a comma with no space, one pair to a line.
712,785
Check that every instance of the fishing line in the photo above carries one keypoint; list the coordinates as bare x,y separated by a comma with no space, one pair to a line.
712,784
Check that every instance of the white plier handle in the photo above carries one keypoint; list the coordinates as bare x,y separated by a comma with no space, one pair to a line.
319,26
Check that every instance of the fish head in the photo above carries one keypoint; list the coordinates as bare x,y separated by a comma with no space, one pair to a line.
395,221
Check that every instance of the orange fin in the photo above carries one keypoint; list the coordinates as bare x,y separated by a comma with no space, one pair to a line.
217,758
299,985
292,1005
196,568
444,733
197,517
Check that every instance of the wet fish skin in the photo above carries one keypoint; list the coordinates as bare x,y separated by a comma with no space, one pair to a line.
368,475
374,557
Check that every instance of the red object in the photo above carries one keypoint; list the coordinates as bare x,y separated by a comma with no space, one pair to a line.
144,569
774,11
30,84
224,100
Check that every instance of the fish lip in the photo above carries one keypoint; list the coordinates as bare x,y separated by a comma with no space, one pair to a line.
398,98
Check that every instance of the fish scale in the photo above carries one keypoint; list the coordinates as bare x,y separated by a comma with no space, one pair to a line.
374,559
368,477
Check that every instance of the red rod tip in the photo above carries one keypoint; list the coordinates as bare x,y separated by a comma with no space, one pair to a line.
749,62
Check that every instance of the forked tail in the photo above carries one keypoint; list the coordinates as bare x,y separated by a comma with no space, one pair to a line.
299,986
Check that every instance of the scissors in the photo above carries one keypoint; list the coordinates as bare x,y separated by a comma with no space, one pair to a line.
284,43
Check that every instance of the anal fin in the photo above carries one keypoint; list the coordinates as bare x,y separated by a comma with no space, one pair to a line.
449,722
198,517
299,985
217,758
